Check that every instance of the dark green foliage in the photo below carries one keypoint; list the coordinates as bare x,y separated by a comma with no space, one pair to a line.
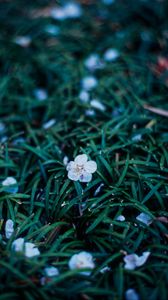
62,217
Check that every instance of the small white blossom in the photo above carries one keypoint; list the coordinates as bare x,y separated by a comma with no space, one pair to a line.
93,62
81,169
97,104
10,185
133,261
40,94
72,10
111,55
29,249
120,218
131,294
89,83
23,41
84,96
49,124
82,260
144,218
9,228
51,271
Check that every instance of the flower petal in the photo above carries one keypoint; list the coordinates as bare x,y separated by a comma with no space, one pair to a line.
18,245
81,159
31,250
141,260
71,165
90,166
85,177
73,175
9,228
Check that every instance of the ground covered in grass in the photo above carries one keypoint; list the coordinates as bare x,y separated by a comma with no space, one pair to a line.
92,82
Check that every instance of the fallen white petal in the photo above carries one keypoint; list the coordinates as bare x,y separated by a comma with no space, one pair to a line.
131,294
9,228
144,218
84,96
111,54
120,218
31,250
82,260
18,245
88,83
97,104
51,271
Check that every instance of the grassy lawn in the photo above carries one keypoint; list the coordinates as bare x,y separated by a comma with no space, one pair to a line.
89,79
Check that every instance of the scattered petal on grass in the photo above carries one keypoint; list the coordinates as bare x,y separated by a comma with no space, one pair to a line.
51,271
93,62
89,83
49,124
144,218
29,249
97,191
137,137
84,96
131,294
97,104
81,169
120,218
40,94
132,261
65,160
52,29
9,228
72,10
23,41
90,112
10,185
82,260
111,55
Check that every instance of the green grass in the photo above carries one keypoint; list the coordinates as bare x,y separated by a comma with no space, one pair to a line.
62,217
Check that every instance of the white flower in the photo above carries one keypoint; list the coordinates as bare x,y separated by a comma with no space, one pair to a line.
72,10
10,185
82,260
144,218
131,294
133,261
120,218
89,83
23,41
49,124
84,96
51,271
9,228
29,249
93,62
111,54
81,169
97,104
40,94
